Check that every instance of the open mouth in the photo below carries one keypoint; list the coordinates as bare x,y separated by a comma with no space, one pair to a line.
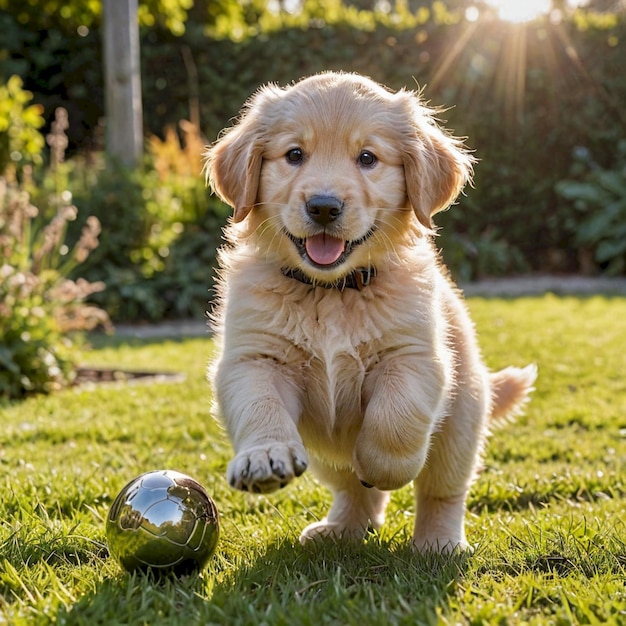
324,251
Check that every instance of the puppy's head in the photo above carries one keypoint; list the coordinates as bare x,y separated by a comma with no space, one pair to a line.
327,171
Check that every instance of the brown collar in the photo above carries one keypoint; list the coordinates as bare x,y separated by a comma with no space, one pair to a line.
357,279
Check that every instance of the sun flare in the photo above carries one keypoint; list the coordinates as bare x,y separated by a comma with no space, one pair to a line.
520,10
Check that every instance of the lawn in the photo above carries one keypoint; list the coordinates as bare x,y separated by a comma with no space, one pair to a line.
547,516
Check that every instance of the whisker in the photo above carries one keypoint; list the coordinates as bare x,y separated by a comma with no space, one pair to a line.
271,223
265,224
268,203
386,242
393,225
271,244
396,227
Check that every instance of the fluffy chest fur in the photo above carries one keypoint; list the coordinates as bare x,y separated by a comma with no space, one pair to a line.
329,342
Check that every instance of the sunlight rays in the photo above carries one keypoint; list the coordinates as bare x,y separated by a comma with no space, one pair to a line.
451,56
501,60
510,80
520,11
490,62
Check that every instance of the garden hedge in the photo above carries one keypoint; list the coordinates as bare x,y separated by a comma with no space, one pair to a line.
540,104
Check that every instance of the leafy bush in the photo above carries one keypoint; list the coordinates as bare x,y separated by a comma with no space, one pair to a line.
524,95
162,229
599,199
39,304
519,94
20,140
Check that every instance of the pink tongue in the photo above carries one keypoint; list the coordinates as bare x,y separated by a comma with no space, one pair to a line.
324,250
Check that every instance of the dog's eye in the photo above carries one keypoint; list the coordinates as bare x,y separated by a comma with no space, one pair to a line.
295,156
367,159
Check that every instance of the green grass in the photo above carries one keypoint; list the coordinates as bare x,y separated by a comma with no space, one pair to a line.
546,517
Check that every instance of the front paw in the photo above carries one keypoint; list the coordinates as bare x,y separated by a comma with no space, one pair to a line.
384,468
267,467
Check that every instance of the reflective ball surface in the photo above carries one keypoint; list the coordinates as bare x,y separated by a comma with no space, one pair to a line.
164,522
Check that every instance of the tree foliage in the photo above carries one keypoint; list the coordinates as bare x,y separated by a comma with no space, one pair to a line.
20,139
528,97
72,15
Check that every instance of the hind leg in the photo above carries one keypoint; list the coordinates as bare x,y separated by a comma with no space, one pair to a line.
354,507
442,486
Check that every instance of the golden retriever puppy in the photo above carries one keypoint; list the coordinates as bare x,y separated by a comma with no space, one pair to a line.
343,344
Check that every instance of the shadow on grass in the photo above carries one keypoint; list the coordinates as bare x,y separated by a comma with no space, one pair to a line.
327,582
369,583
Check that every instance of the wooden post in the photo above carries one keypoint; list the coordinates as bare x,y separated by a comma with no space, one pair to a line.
124,114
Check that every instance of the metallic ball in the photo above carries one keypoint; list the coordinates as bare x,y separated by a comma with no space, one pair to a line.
163,522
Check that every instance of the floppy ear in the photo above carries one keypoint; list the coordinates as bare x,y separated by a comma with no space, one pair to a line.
436,165
233,164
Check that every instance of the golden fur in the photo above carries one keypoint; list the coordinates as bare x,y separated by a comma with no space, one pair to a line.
374,385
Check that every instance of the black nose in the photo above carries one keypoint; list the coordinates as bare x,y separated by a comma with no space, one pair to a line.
324,209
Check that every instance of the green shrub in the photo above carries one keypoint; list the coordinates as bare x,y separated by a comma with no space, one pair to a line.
136,216
519,94
524,95
162,230
599,199
39,304
21,142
